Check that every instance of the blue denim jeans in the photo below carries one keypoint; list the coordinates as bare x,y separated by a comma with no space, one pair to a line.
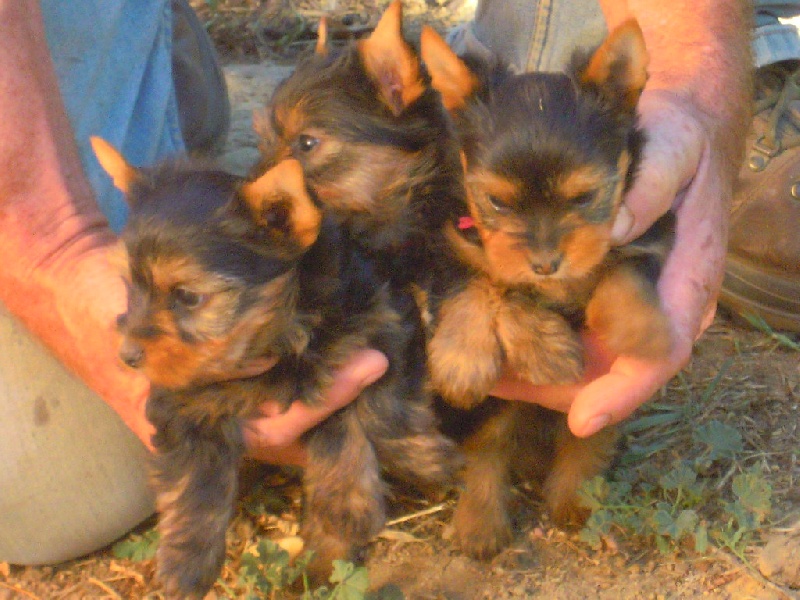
541,35
113,59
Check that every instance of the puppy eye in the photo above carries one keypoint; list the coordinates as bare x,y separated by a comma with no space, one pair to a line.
498,205
583,200
306,143
186,298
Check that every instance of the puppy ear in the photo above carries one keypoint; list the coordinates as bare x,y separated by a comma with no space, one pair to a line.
618,68
123,174
321,48
449,75
278,201
391,62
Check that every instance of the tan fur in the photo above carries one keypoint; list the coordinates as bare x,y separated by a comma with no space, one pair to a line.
538,344
525,443
481,520
114,164
449,75
482,183
627,316
374,172
464,357
586,178
507,255
172,364
390,61
337,493
626,41
285,179
468,253
484,328
576,460
220,345
585,248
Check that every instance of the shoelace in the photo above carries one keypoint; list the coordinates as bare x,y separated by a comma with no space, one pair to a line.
781,131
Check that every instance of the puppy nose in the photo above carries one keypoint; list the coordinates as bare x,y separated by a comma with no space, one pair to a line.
132,355
546,264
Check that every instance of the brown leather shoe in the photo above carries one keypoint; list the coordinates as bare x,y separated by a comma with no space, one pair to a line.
203,104
762,274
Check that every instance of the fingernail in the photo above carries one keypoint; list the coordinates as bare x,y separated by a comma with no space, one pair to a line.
622,224
370,378
596,423
373,369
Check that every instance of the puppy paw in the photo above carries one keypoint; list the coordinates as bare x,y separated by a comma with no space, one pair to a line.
325,550
481,532
625,313
465,359
188,572
539,344
576,461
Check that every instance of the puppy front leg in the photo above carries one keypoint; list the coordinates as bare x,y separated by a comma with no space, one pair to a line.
464,356
575,461
481,521
344,493
194,473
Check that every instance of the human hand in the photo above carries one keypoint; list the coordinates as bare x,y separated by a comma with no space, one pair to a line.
679,170
275,437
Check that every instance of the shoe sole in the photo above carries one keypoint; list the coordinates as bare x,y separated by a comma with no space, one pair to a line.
773,296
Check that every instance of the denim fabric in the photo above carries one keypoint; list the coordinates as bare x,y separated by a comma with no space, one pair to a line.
113,59
774,41
540,35
531,36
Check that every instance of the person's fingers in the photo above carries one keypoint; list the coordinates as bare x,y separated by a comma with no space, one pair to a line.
273,437
688,289
671,154
615,395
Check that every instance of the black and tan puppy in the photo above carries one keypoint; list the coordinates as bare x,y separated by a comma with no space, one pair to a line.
548,158
228,276
545,187
376,146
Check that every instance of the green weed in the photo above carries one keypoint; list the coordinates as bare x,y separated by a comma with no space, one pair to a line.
684,508
782,339
266,571
137,547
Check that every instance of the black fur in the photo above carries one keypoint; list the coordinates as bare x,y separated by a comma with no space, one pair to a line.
330,303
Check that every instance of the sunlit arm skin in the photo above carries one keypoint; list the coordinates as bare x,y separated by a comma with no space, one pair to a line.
55,277
55,243
696,111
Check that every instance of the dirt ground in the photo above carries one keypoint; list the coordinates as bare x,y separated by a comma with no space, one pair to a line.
745,379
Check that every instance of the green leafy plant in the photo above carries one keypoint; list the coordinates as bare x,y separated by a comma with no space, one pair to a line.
137,547
266,571
682,509
746,514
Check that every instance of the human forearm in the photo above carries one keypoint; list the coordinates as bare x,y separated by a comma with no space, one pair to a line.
55,276
699,50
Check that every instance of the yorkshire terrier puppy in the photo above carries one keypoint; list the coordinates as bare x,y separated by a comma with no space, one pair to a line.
377,148
548,158
226,278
